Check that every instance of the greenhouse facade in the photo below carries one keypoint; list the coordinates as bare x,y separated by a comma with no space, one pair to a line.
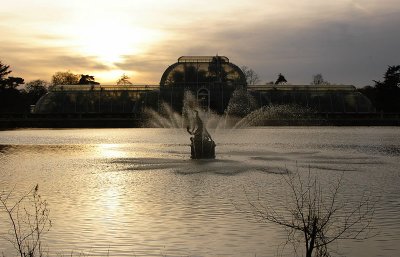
213,80
321,98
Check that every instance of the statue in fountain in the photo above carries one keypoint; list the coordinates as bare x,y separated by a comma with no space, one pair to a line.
202,146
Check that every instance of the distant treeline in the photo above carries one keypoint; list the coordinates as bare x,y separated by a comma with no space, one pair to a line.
13,98
385,95
16,96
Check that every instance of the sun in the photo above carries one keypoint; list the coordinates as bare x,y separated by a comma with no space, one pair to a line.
109,40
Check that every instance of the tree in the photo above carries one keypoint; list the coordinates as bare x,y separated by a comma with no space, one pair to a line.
87,80
281,79
318,79
36,89
124,80
250,75
385,95
11,99
316,217
388,91
392,76
64,78
8,82
4,71
12,82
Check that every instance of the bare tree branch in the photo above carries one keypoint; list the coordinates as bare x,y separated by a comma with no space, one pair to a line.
317,215
29,217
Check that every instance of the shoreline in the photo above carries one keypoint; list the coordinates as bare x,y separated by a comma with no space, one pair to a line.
14,121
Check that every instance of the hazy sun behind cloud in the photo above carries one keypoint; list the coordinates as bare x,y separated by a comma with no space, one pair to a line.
110,39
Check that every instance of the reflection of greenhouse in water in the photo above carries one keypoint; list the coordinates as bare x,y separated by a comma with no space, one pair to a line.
211,79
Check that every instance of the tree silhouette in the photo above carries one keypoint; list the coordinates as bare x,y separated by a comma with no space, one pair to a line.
124,80
12,100
316,216
385,95
87,80
392,76
250,75
29,217
64,78
281,79
8,82
4,71
12,82
388,91
318,79
36,89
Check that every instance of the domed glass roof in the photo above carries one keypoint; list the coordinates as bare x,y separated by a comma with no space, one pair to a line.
198,70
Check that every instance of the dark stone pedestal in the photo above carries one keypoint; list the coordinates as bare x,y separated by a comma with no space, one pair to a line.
202,149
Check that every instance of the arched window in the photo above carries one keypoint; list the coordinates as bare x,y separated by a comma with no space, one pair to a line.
203,98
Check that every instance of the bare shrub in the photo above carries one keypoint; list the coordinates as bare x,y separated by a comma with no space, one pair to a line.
315,216
29,220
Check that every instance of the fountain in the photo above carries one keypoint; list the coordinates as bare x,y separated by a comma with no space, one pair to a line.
241,112
202,146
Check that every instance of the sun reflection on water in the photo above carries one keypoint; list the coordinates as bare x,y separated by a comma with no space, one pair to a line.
110,151
112,199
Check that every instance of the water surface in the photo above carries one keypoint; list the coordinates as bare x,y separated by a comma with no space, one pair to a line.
136,192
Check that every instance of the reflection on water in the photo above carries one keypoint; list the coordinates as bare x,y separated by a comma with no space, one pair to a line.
136,192
110,151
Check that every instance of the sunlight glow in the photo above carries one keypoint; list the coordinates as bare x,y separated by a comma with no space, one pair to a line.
110,151
111,76
111,197
109,40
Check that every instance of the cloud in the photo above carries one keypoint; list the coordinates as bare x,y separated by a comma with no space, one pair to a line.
77,63
347,41
147,67
142,63
32,62
351,48
348,49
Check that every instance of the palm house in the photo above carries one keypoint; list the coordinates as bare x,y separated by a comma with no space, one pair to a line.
213,80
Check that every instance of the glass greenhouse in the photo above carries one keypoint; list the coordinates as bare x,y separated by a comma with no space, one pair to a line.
212,80
198,71
321,98
95,99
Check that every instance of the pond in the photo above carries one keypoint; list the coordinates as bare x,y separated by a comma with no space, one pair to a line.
136,192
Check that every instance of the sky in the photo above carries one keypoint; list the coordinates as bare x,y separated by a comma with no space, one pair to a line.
347,41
